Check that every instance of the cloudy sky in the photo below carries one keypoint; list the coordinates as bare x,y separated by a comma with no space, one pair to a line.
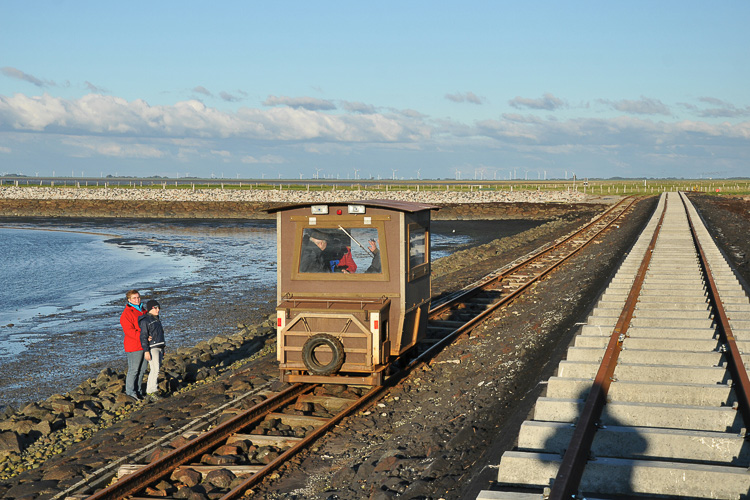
398,89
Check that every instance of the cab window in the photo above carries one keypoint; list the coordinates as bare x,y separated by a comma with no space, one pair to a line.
417,246
353,250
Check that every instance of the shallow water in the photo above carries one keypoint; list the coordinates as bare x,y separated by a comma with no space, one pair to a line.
64,283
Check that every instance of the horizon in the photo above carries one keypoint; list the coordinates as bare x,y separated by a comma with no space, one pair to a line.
11,177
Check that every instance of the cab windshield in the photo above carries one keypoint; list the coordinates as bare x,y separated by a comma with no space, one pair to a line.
340,250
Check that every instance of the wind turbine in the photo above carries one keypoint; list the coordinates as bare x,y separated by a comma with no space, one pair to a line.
394,173
356,170
419,170
317,173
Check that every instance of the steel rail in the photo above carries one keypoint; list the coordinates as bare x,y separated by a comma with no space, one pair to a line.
736,365
160,468
469,325
240,490
576,455
469,292
251,481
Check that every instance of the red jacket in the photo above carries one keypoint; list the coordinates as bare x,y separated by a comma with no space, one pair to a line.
129,322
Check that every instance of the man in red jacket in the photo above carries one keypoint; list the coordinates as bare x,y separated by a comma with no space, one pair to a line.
132,342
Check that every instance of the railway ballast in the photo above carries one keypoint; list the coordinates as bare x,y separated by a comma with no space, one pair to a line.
652,400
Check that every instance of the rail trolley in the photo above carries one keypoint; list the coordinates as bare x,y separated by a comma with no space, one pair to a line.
353,288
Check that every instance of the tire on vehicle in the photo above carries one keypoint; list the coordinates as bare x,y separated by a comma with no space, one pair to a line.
313,364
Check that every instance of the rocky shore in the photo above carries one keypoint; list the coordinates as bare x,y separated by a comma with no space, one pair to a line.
41,429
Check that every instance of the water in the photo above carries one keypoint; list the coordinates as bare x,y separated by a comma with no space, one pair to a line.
55,278
64,284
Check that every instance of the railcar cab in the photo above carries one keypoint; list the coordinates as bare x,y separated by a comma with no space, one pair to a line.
353,288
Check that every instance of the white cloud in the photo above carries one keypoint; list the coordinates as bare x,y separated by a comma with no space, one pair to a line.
268,159
98,114
20,75
643,106
358,107
91,146
95,89
547,101
470,97
189,132
722,109
309,103
226,96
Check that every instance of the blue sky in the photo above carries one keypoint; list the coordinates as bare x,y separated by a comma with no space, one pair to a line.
485,90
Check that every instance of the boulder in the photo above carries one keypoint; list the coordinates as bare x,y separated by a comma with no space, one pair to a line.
7,412
9,443
221,459
31,489
33,410
62,471
188,477
63,406
221,478
78,423
44,428
194,493
22,426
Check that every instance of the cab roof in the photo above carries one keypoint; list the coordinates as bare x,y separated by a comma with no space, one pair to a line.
401,206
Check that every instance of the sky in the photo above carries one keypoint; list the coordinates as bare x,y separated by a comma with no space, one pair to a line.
391,89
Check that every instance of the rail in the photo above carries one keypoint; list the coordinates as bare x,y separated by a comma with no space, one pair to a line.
298,396
652,397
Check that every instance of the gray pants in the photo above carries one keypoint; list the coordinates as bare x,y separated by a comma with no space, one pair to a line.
136,369
157,355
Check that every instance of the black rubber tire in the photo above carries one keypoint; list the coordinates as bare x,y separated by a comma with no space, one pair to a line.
312,363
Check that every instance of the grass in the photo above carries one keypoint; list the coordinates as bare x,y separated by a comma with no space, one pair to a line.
595,187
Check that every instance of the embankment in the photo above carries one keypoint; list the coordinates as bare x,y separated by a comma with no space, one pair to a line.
249,204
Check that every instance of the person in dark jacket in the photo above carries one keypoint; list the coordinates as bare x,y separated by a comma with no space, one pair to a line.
375,265
311,255
132,343
152,343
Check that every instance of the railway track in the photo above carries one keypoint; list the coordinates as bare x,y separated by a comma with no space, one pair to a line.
238,453
652,400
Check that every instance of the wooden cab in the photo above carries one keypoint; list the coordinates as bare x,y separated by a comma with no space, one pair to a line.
353,288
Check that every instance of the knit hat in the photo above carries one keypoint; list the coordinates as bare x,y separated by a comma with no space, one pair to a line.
319,235
151,304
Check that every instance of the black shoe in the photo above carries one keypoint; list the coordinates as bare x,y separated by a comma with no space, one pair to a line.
136,397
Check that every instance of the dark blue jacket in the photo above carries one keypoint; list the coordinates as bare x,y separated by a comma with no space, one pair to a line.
151,327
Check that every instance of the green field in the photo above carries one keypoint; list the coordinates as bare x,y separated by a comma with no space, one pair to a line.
595,187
